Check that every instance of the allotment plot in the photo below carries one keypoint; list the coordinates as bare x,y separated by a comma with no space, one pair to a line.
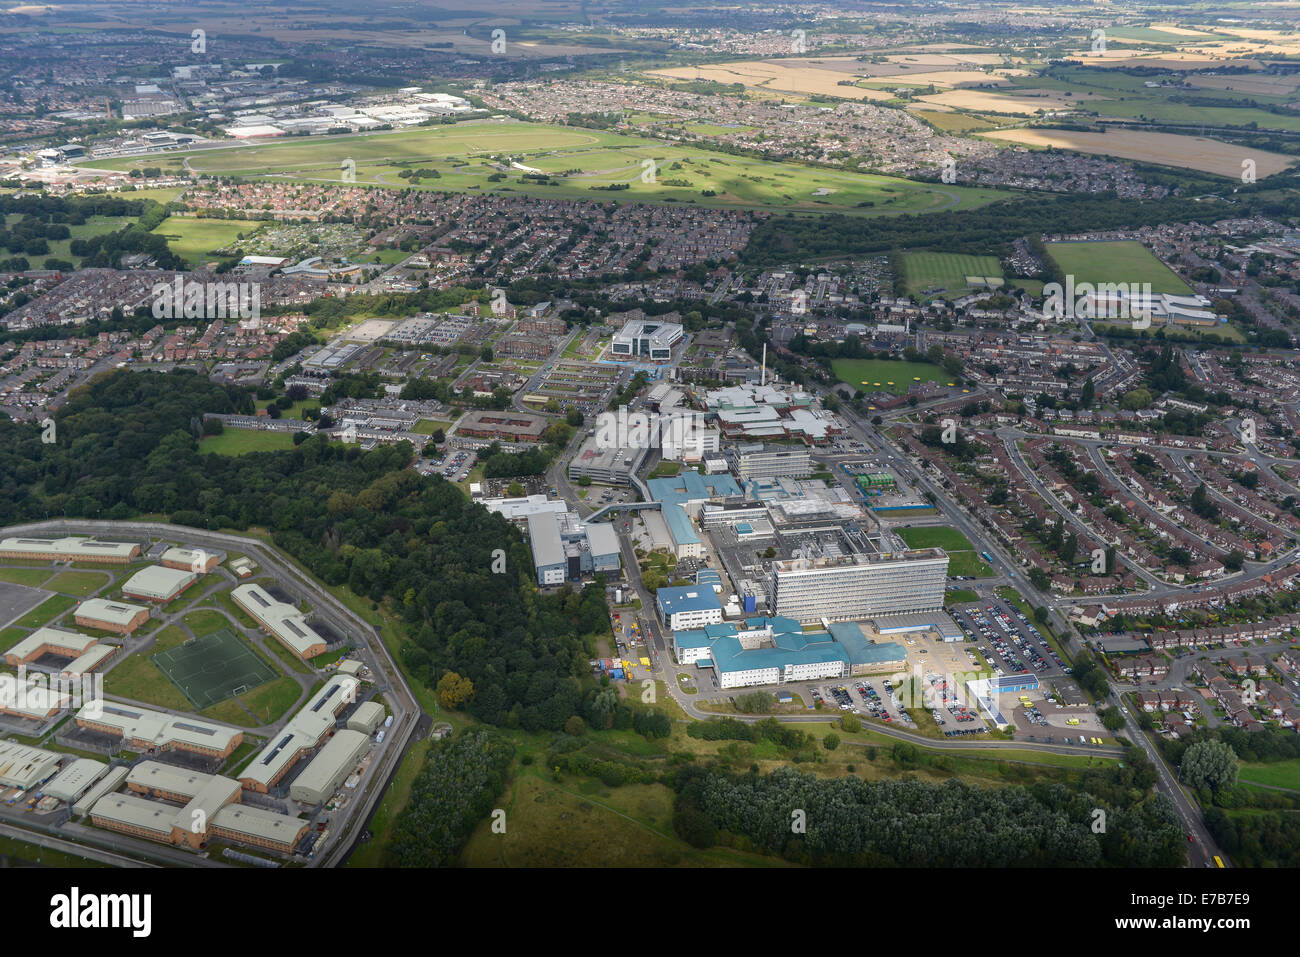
213,668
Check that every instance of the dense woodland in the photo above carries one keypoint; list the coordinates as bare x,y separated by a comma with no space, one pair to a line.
126,445
910,823
987,228
452,793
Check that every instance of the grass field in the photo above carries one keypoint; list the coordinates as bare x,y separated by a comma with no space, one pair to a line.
1124,261
962,560
138,678
31,577
930,274
583,823
430,426
243,441
193,239
959,596
45,612
213,668
462,153
372,852
78,583
1278,774
266,704
876,375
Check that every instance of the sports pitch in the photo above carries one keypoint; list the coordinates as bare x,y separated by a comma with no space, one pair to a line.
213,668
928,273
1121,261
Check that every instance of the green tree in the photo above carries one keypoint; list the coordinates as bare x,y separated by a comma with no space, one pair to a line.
1211,764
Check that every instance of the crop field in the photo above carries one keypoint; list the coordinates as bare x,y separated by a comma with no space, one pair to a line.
787,76
1164,149
584,164
1023,102
1125,261
886,375
192,238
929,273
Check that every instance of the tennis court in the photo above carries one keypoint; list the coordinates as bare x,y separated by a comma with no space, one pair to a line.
213,668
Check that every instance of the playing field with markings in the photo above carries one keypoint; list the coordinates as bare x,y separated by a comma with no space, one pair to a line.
213,668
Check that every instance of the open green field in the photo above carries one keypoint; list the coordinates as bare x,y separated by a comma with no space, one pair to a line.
1121,96
30,577
1123,261
266,704
1278,774
45,612
193,239
1224,330
584,162
430,426
962,560
138,678
876,375
372,853
583,823
959,596
935,536
61,248
78,583
242,441
930,274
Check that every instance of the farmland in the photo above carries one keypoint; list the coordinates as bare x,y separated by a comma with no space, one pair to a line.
1165,149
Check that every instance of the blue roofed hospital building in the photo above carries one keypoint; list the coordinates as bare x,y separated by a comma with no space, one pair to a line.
768,651
688,606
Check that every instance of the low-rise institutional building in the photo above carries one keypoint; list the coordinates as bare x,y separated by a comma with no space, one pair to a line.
281,619
327,770
116,616
74,548
158,583
143,729
304,732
